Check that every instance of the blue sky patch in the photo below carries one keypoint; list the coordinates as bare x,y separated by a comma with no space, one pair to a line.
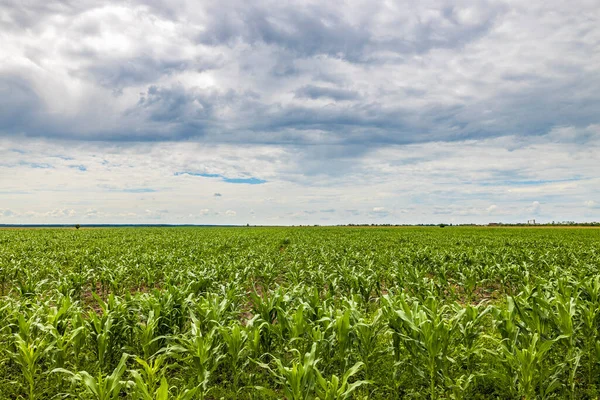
248,181
36,165
526,182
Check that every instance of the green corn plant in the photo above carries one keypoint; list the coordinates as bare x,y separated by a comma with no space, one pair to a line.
141,390
267,274
28,355
63,345
368,341
58,317
150,383
460,386
363,283
236,351
255,339
469,324
589,308
146,334
61,331
505,322
565,319
77,339
211,310
201,354
172,304
315,306
266,309
146,381
4,278
267,306
336,389
100,332
100,387
469,280
527,365
162,392
297,381
344,334
71,284
298,325
535,311
522,355
425,333
28,285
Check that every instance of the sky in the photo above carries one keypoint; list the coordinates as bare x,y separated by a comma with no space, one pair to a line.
299,112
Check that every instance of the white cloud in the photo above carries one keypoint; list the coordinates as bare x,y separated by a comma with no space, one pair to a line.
404,72
59,213
457,180
534,208
404,114
6,213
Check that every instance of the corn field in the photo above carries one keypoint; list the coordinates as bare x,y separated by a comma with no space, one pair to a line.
300,313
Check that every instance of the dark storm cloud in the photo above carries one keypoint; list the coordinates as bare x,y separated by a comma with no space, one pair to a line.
304,30
18,102
315,92
321,29
122,73
232,72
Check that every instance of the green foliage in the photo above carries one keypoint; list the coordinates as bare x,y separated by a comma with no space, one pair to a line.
300,313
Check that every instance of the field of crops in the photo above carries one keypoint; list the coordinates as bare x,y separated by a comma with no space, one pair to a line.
300,313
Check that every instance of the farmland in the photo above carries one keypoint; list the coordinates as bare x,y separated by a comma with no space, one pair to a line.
300,313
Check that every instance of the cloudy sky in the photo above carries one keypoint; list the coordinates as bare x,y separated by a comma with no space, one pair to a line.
309,112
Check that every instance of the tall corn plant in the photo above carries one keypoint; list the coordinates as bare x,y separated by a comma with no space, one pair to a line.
266,309
146,335
522,355
141,392
469,324
335,388
565,316
424,332
297,382
589,307
525,365
236,358
100,328
369,339
201,354
148,380
100,387
27,355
